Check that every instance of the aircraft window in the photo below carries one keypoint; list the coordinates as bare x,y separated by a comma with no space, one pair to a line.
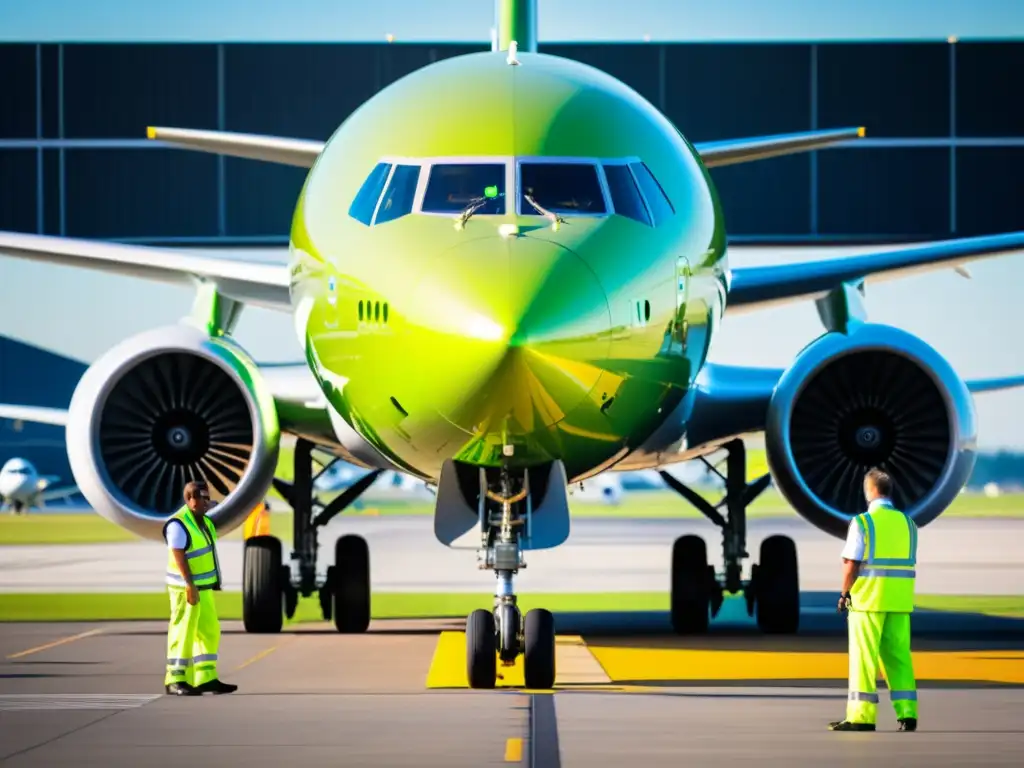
625,195
560,188
661,208
366,198
397,200
455,188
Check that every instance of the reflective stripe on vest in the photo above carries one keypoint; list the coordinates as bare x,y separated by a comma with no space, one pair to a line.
887,575
200,552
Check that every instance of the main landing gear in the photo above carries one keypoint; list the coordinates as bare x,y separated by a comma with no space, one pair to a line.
773,591
502,634
271,589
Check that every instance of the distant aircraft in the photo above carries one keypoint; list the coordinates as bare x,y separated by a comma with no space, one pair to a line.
506,270
22,488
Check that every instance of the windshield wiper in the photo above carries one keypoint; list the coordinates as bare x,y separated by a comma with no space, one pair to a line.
474,205
554,217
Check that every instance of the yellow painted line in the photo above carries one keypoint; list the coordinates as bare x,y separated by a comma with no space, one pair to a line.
261,655
55,643
639,665
574,665
513,750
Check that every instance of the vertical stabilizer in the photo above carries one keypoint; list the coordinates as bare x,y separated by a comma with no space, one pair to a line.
516,20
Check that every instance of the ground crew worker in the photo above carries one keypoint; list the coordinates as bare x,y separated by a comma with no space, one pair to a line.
878,592
193,574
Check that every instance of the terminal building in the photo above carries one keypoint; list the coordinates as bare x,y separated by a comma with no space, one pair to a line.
943,157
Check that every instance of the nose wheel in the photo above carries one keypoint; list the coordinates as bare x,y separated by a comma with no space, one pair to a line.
495,639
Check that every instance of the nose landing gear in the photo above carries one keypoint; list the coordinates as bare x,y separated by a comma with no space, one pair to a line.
501,634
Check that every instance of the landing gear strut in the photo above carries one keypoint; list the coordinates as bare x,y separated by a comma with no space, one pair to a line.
271,589
773,591
502,634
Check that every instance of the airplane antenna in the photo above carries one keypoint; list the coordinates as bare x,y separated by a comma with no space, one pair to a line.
516,22
513,48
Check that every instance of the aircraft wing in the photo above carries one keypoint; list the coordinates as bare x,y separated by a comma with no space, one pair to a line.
300,152
756,287
730,151
258,284
34,414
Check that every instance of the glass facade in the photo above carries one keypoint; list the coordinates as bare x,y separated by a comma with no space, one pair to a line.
943,155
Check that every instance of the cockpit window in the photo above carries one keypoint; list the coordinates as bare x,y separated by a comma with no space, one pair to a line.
560,188
366,198
625,195
398,198
454,188
661,208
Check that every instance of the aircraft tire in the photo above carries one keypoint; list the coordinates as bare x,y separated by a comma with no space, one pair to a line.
539,653
777,607
351,585
262,588
481,650
691,593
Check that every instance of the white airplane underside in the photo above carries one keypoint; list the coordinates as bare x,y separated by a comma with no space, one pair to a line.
855,361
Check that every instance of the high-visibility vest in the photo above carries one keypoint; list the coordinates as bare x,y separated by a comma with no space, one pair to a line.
200,552
885,582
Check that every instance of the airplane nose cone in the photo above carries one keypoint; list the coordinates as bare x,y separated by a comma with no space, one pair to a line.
512,328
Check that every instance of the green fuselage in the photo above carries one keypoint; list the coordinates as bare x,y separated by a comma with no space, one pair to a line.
570,340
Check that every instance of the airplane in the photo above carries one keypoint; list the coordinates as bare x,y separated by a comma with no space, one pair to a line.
22,488
505,273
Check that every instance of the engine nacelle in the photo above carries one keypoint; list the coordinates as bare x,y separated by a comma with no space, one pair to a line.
165,407
876,397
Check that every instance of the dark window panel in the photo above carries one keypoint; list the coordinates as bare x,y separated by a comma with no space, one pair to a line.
884,192
17,91
51,91
988,101
304,91
400,59
989,190
767,197
18,190
261,197
726,91
51,191
634,64
140,193
893,89
115,91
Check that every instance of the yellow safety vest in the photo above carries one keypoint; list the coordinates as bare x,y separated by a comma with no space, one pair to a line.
200,552
885,582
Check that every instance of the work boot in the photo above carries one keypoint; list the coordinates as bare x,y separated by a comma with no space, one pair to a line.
846,725
216,686
181,689
908,723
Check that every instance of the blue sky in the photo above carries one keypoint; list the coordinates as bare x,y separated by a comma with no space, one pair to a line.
974,323
471,20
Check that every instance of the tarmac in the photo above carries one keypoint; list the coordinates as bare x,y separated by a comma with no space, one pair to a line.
956,556
627,691
90,694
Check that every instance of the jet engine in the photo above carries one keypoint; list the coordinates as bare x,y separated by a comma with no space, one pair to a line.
165,407
876,397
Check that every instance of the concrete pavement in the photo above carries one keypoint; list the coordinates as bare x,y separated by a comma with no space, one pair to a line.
90,694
